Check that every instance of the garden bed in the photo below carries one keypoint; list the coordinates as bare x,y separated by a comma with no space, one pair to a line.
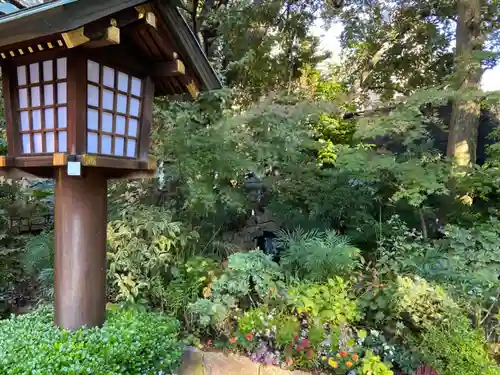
213,362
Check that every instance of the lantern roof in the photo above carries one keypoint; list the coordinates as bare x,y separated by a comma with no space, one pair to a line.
178,62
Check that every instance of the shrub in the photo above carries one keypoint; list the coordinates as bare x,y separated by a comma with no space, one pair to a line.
130,342
143,242
457,350
250,279
422,305
329,302
190,281
317,256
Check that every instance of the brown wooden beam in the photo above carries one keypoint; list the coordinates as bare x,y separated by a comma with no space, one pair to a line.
34,161
97,34
61,159
145,34
75,38
169,69
108,37
99,161
127,16
146,20
6,161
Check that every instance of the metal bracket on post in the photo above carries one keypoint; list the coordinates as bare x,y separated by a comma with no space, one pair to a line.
74,168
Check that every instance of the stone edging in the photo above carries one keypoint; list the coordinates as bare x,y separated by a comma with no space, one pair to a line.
197,362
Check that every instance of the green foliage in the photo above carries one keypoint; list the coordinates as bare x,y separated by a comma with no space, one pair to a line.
189,281
262,46
3,138
38,260
19,201
464,262
249,279
373,179
286,329
143,242
252,320
404,178
328,302
474,258
457,350
391,351
247,272
317,256
423,305
373,365
130,342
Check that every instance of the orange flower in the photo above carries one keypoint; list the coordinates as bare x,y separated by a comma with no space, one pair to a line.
343,354
355,357
348,364
232,340
249,336
289,362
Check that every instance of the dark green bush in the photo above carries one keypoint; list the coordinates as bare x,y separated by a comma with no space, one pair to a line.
130,342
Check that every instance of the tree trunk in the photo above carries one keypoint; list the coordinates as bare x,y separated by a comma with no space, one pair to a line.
464,124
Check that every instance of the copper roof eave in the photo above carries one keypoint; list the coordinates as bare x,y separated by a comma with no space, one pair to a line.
158,45
58,17
191,49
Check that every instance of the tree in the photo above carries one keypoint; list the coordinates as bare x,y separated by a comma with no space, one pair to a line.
471,35
257,45
395,48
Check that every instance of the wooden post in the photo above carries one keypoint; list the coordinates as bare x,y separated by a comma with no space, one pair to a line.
80,249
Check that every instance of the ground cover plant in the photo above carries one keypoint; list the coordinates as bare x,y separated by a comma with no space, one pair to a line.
130,342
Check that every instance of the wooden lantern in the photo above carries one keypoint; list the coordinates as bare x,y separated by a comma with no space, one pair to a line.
79,79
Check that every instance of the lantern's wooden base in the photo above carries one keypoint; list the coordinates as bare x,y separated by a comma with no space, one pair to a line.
44,166
80,249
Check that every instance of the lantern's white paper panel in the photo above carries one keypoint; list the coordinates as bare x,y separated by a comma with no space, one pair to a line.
114,106
42,104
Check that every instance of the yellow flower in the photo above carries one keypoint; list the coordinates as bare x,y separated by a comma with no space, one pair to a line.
323,358
333,363
348,364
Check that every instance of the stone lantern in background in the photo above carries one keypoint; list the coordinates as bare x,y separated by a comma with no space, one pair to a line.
79,79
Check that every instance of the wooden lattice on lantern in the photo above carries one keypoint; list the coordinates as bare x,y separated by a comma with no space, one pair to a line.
42,106
79,79
80,89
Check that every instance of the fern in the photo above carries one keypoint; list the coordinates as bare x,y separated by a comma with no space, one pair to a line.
38,261
317,256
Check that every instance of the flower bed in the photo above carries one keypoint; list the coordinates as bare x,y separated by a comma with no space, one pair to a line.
197,362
